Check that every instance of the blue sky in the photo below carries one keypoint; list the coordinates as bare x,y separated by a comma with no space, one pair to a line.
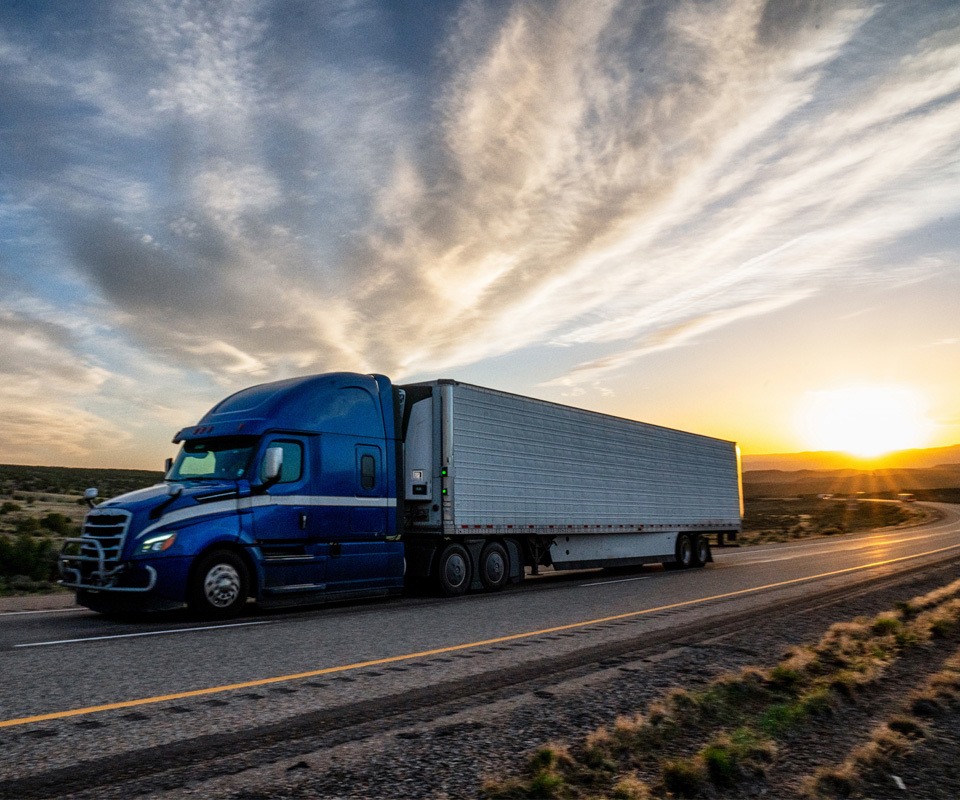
695,214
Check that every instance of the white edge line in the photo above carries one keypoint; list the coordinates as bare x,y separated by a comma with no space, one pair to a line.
619,580
144,633
41,611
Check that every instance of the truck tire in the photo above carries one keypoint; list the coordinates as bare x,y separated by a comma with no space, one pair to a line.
684,553
494,567
219,586
701,551
453,570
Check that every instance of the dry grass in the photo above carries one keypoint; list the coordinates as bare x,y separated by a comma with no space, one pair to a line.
692,742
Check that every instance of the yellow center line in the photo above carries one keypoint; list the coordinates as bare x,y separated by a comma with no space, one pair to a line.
144,701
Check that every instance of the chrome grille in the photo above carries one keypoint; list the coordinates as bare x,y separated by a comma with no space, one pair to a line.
107,529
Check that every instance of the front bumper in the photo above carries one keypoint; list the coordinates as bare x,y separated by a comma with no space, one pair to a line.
140,584
81,571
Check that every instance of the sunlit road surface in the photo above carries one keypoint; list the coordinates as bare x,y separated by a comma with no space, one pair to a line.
77,686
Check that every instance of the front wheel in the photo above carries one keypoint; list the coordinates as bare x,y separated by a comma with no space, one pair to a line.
453,570
219,586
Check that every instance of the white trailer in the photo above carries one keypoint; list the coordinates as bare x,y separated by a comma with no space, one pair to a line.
553,485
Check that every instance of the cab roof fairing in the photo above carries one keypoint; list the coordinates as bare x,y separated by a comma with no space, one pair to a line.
333,402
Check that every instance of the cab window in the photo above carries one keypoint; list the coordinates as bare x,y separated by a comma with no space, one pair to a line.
292,461
368,472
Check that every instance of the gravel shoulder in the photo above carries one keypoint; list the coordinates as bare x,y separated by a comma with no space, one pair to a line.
37,602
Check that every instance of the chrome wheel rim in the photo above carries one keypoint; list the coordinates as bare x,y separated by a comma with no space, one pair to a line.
221,587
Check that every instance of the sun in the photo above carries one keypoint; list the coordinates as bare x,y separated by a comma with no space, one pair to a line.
865,421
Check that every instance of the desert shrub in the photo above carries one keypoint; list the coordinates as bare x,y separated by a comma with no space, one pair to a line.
834,783
28,526
781,718
817,701
27,556
630,788
9,507
60,524
886,624
782,676
942,628
546,780
926,707
721,764
907,727
684,777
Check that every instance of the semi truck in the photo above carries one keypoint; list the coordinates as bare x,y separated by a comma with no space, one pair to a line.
343,485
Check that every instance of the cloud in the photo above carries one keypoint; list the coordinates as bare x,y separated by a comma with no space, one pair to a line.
248,190
36,354
41,379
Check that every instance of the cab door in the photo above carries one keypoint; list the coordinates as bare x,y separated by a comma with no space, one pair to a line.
360,556
284,524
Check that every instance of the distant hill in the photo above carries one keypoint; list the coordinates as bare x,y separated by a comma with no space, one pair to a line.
927,483
74,480
932,474
905,459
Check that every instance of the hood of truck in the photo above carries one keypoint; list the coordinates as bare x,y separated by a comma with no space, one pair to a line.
153,509
194,492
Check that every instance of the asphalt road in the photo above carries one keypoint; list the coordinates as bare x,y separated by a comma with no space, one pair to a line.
78,687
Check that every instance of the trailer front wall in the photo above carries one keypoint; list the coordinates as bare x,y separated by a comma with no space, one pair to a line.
519,465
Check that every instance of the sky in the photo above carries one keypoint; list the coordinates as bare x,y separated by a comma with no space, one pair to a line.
706,215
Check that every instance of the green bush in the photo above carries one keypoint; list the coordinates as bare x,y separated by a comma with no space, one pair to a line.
9,507
58,523
884,625
28,556
29,526
722,765
684,777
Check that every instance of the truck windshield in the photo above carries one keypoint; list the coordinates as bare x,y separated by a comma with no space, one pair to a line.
220,458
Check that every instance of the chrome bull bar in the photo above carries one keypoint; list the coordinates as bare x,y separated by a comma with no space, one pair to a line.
101,577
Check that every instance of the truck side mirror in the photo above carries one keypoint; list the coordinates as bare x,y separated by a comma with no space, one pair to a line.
272,465
90,495
167,466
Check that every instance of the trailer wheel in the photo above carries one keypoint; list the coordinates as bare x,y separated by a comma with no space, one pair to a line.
685,552
219,585
453,570
701,551
494,567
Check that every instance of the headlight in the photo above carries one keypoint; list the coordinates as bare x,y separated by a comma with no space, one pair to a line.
157,544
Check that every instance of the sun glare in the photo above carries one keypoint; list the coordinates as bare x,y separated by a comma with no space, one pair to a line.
865,421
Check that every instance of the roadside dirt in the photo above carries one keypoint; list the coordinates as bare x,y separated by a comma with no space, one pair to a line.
37,602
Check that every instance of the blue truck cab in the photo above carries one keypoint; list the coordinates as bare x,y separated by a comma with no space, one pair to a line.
284,492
